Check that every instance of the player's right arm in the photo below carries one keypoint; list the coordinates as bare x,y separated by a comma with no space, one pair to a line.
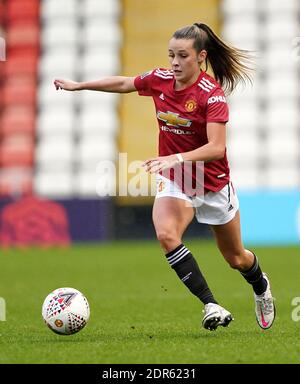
115,84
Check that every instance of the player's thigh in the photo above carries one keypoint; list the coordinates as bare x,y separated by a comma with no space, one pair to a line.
172,214
228,237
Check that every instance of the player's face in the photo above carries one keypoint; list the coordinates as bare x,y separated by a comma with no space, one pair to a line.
184,60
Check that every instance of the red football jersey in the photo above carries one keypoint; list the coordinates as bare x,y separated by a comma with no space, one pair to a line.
182,117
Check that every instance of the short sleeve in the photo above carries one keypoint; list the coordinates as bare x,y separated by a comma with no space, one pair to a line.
144,83
217,107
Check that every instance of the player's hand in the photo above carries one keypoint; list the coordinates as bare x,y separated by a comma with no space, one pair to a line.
158,164
67,85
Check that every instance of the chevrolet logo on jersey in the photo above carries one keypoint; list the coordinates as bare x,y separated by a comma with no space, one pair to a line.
173,119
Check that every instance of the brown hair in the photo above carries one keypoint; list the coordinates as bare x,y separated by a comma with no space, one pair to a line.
230,65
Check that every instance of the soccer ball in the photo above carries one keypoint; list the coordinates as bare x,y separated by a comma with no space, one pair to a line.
66,311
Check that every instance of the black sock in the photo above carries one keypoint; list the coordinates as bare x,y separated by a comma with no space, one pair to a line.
186,267
255,277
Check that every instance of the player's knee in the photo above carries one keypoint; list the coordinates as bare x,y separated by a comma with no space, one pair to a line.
167,238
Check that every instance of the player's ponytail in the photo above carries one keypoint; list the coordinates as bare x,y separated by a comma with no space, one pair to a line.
230,65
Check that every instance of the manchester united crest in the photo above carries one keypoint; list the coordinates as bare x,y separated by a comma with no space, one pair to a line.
190,105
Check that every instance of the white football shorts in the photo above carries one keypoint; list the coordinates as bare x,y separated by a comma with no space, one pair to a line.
214,208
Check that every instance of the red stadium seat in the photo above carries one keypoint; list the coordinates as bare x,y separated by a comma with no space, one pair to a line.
19,94
22,10
2,12
15,181
22,34
22,80
20,63
16,152
17,119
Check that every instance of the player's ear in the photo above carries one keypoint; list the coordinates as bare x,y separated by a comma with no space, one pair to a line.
202,55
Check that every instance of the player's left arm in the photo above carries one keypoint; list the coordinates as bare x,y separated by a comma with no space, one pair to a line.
213,150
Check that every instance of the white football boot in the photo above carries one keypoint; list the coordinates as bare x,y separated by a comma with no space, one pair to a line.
214,316
264,307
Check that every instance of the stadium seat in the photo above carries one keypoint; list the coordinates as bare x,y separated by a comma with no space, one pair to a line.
19,94
101,32
55,121
60,33
97,62
282,115
19,10
57,9
278,6
16,152
244,146
20,63
22,34
49,96
15,181
101,121
239,122
236,7
271,58
54,184
282,177
54,153
2,15
93,150
280,148
17,119
275,32
95,183
95,8
95,100
246,177
242,32
59,62
282,84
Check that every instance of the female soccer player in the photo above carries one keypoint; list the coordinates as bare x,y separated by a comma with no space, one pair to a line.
192,113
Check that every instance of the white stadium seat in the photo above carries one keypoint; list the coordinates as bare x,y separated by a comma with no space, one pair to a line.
233,7
279,56
101,33
281,28
92,150
245,177
95,8
98,120
56,9
60,33
54,153
99,100
283,85
282,177
243,117
242,32
59,62
56,184
91,183
244,147
282,147
55,121
282,115
48,95
279,6
97,62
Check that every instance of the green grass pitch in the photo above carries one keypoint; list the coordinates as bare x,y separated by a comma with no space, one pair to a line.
140,311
